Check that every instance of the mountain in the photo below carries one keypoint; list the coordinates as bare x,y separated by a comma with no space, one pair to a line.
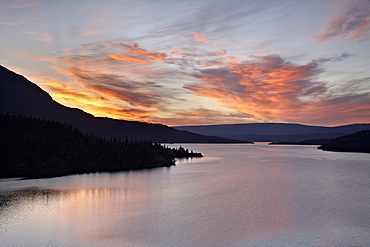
20,96
274,132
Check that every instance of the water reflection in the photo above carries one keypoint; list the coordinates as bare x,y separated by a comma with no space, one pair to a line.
67,213
237,195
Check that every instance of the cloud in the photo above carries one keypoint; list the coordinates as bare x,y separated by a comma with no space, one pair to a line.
335,58
351,22
191,85
116,84
66,91
95,31
70,94
127,58
135,93
123,88
64,34
270,88
108,99
204,116
40,58
218,19
26,3
344,109
135,49
13,24
129,79
200,37
41,36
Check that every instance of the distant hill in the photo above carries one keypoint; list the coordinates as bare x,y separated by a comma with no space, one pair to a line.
357,142
274,132
20,96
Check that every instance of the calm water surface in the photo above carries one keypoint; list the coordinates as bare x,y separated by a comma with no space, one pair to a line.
238,195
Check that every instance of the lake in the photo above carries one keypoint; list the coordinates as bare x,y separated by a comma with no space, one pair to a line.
237,195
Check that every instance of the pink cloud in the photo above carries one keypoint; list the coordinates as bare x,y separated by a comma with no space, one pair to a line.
200,37
351,22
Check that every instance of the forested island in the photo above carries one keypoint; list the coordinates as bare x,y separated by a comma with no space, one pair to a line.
36,148
358,142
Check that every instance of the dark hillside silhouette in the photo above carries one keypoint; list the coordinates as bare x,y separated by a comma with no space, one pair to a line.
358,142
34,148
20,96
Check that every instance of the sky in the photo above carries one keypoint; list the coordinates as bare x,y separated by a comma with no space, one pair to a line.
199,62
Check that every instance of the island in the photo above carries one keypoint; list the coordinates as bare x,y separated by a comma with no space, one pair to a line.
358,142
37,148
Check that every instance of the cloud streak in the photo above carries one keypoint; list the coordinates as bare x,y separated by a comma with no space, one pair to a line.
199,37
26,4
42,36
351,23
135,49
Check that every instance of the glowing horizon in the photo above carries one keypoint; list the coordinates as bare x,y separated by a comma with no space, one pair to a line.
197,62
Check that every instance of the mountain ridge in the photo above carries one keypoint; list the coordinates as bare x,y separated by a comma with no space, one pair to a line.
20,96
274,131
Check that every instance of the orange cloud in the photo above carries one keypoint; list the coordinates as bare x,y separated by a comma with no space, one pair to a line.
267,88
95,100
147,94
156,56
126,58
200,37
101,84
135,49
273,89
351,22
195,114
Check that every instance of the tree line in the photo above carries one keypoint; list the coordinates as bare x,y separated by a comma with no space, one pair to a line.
357,142
35,148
